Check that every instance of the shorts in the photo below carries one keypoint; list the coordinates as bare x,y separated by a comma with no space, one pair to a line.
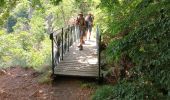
89,28
82,32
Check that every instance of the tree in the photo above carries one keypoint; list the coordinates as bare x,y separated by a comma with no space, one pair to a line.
139,47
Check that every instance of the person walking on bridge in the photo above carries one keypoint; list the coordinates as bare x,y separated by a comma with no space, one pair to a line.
89,23
81,24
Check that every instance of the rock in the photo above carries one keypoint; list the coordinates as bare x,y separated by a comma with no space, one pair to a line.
37,93
3,94
2,72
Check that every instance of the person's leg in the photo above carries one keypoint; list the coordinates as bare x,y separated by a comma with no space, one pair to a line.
84,36
81,40
79,37
77,30
90,29
81,43
86,31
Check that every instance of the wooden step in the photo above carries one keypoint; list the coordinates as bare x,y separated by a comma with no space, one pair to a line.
77,73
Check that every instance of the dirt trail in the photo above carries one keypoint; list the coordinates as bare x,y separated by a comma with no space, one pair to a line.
22,84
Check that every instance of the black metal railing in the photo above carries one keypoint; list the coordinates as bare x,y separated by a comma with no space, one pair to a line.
98,43
61,40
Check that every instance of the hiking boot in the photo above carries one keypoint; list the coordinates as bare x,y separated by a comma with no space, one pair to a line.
81,47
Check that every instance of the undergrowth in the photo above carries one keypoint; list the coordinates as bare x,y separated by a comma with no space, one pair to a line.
141,51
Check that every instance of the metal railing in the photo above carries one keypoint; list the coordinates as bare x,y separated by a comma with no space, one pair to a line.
98,43
61,40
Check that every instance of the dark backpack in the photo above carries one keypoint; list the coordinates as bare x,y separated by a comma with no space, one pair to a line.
90,19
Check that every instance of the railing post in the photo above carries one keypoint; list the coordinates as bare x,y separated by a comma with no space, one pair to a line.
52,52
62,39
97,36
75,36
71,31
72,39
98,39
68,38
76,31
99,57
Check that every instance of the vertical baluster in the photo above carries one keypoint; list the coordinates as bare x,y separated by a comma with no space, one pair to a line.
72,35
98,40
78,34
75,31
65,38
99,57
62,43
68,38
52,52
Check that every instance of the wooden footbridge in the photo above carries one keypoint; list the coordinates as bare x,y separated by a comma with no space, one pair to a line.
68,60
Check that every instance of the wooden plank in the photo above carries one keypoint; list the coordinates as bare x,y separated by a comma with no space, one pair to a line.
80,70
76,65
69,61
76,73
72,66
71,69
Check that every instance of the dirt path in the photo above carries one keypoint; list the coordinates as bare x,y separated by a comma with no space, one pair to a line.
22,84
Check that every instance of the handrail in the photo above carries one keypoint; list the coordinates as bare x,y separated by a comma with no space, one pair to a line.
57,31
61,40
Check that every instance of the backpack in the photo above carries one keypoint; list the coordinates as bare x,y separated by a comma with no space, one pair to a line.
80,21
90,19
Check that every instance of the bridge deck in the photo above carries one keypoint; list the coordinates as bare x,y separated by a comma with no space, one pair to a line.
79,63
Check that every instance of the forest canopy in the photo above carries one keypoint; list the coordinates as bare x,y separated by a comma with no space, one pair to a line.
135,41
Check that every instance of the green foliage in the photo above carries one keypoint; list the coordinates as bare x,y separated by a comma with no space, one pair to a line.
103,93
126,90
55,2
19,15
10,23
27,42
88,84
141,28
17,49
2,3
38,27
5,7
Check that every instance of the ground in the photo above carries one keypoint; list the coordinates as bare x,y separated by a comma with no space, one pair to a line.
18,83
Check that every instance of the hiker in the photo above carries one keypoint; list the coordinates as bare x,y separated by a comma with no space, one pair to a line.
81,24
89,24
